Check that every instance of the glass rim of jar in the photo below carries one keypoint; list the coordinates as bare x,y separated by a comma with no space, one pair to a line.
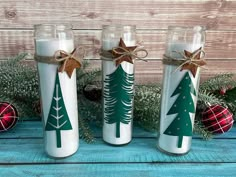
58,26
119,26
197,28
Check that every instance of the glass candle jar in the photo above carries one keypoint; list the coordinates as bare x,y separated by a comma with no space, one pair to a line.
58,91
180,87
118,86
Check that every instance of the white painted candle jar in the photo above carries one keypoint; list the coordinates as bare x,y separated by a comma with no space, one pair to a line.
179,92
58,92
118,87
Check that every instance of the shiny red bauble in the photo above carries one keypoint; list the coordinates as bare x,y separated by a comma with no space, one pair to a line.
8,116
217,119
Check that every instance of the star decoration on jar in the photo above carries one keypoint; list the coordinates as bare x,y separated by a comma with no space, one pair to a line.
123,53
195,61
69,63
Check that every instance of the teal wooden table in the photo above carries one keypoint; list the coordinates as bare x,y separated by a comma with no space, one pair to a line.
22,154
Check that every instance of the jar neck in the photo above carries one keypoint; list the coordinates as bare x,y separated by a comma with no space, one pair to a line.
53,31
111,35
197,29
47,27
195,34
119,28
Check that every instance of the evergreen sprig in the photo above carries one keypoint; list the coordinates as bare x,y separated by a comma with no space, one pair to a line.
218,82
209,91
201,130
147,106
90,111
230,98
19,85
85,131
86,76
207,98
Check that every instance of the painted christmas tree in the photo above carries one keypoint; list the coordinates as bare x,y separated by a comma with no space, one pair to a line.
183,106
118,95
58,118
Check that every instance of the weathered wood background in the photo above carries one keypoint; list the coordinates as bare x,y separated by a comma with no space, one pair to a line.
152,18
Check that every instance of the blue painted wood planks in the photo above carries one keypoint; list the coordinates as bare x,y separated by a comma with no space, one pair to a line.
22,154
121,170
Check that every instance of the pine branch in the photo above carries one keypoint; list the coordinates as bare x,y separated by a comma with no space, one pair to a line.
147,106
19,85
199,129
13,60
230,99
24,109
218,82
85,77
18,80
85,131
90,111
210,91
205,98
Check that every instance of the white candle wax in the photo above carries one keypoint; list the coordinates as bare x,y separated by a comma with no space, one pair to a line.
47,75
170,82
108,67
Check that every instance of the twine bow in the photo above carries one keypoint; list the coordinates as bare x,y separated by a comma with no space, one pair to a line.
63,56
133,54
68,61
188,61
122,52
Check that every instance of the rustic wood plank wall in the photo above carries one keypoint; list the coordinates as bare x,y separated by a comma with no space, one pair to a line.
152,18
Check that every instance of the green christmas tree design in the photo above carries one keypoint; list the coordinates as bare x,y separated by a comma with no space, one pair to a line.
118,96
183,106
58,118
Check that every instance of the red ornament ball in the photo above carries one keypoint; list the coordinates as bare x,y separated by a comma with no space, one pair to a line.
223,91
8,116
217,119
